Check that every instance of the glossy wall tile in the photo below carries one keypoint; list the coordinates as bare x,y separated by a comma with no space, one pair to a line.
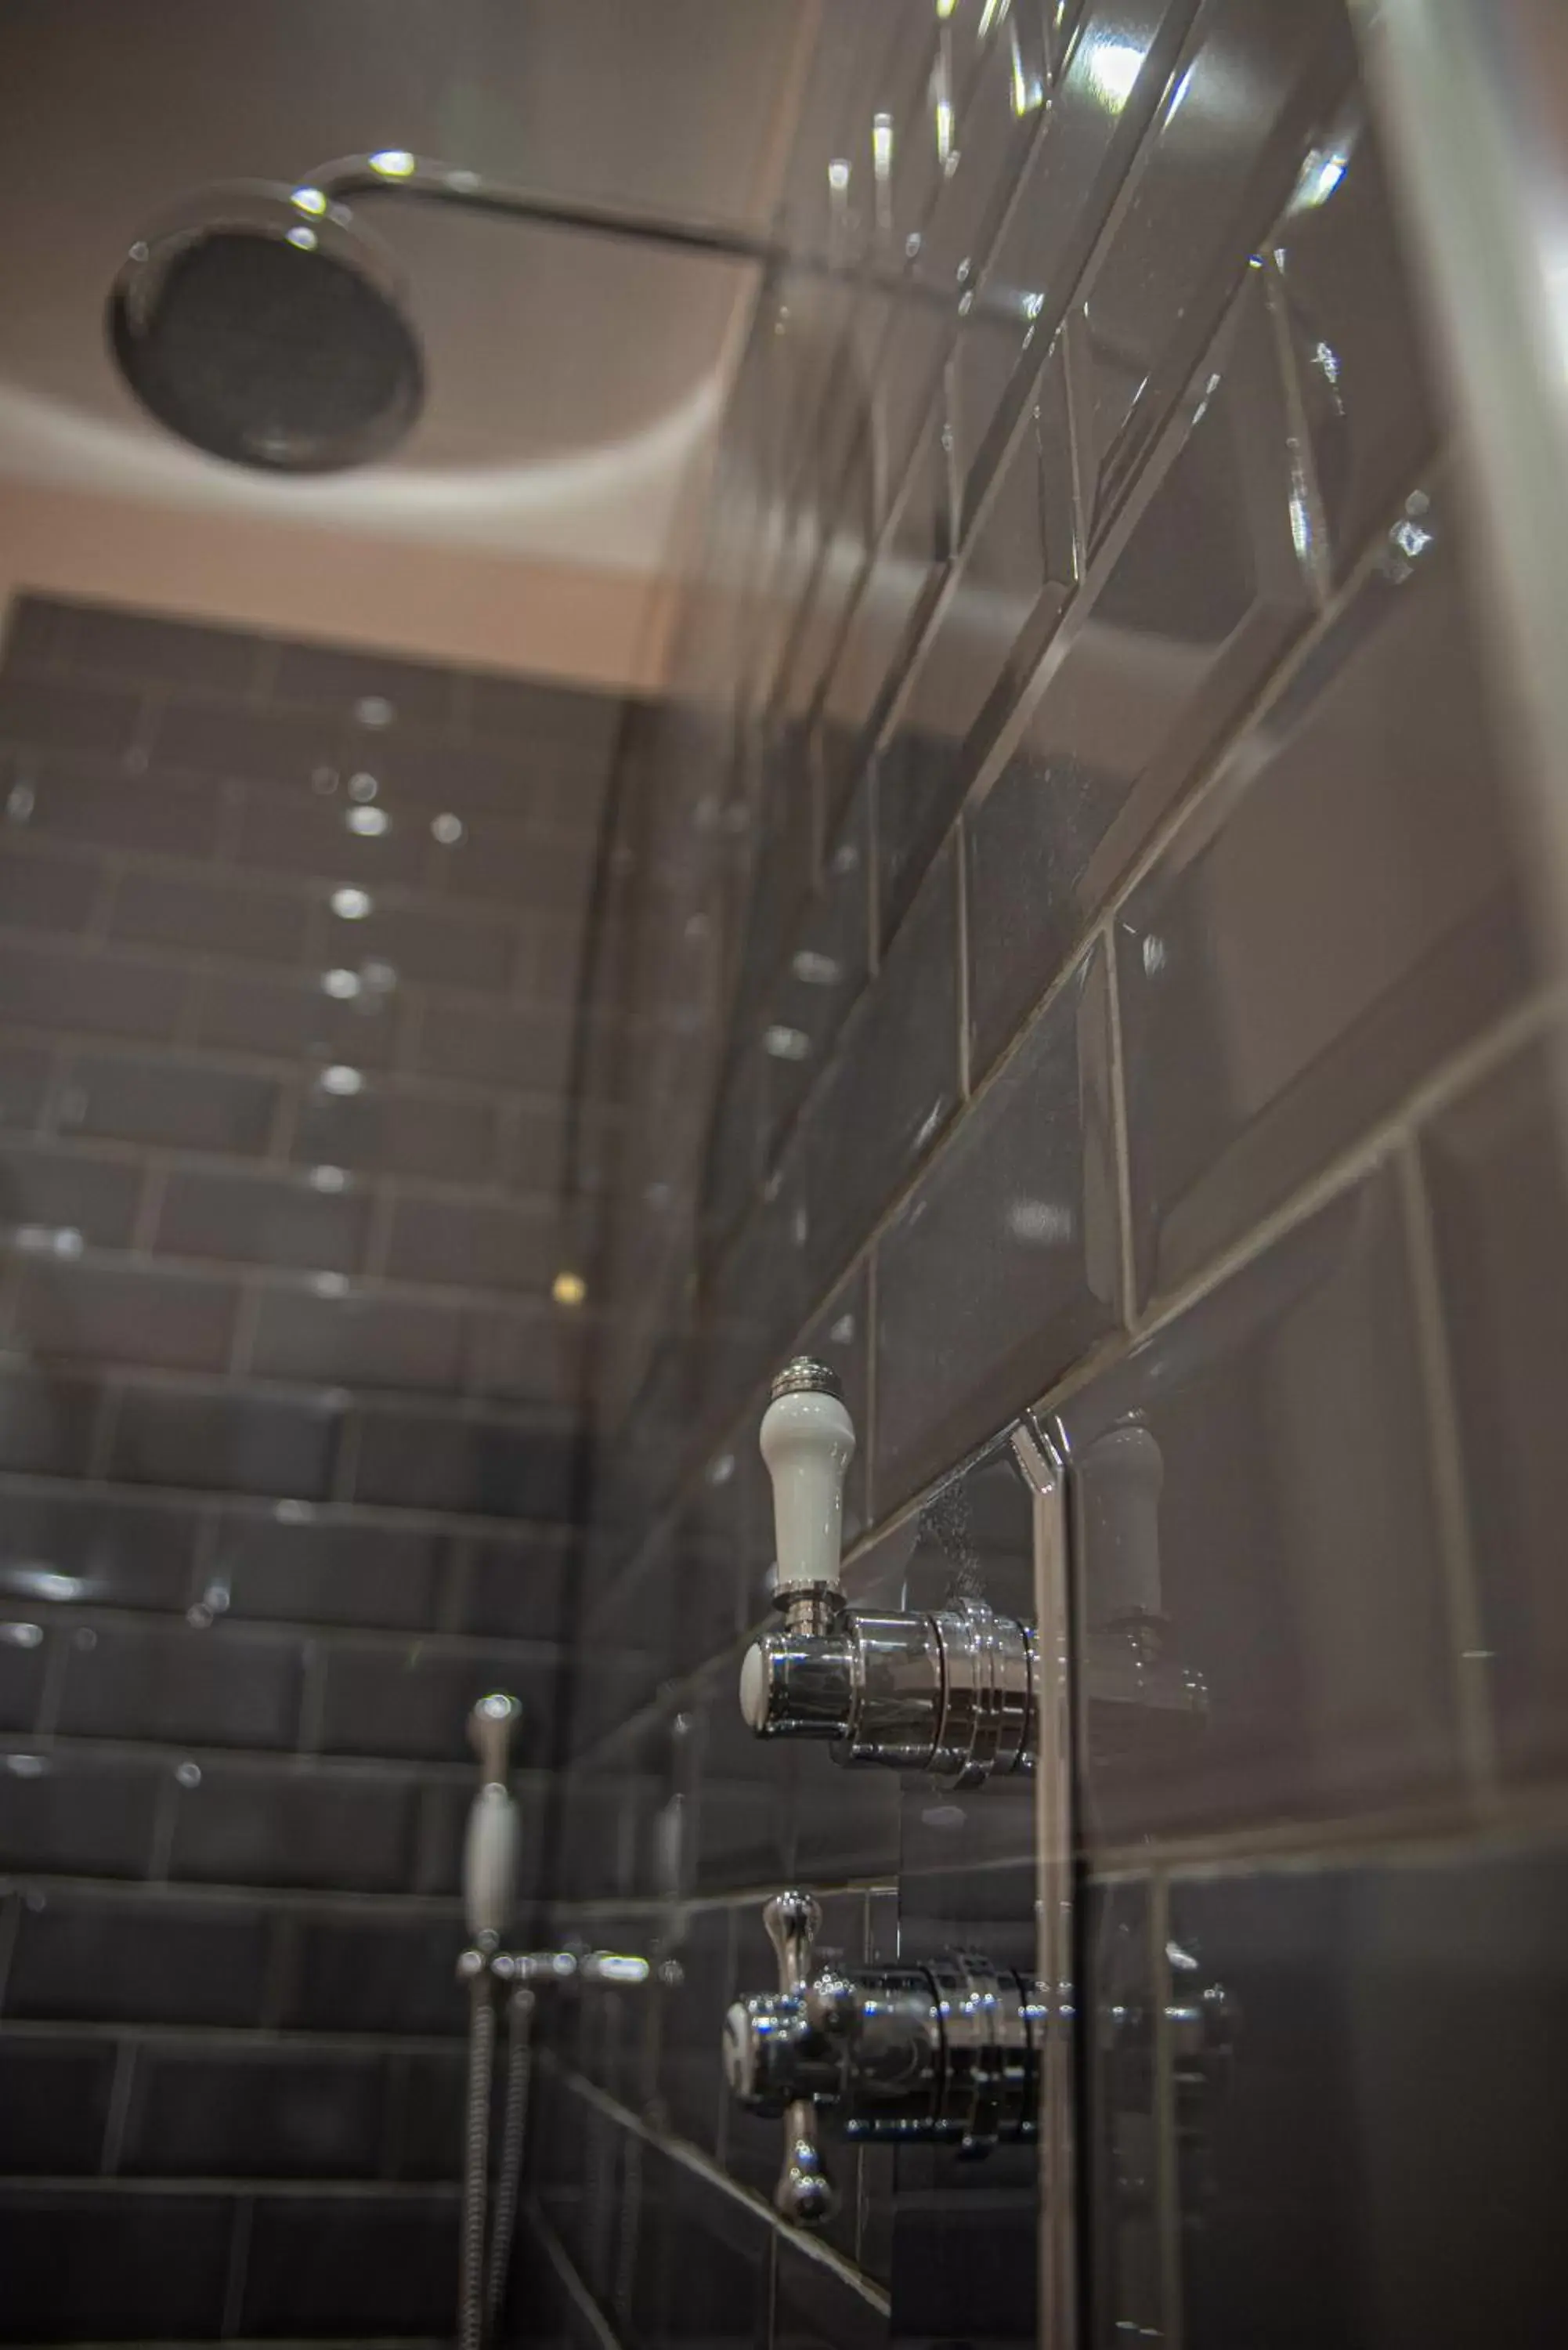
290,1079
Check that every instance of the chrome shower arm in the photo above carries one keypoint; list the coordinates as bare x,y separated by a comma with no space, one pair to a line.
394,172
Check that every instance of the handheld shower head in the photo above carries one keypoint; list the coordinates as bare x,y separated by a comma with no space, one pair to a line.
491,1726
490,1847
268,335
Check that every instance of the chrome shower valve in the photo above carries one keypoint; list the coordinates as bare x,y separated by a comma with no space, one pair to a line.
949,1690
946,2052
950,2051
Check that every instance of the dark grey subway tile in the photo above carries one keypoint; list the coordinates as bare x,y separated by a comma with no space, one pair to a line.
71,718
347,1014
540,1355
54,2103
1431,2186
357,1336
126,1098
1105,92
66,986
414,1700
105,641
1207,184
1002,1267
1197,597
346,1121
474,1243
347,1831
152,815
441,945
24,1081
1360,357
530,1051
1013,581
522,870
221,915
824,973
232,1442
1337,915
885,617
457,778
78,1815
214,1685
299,1565
47,1422
1251,1482
429,2139
518,1590
270,746
158,2270
1014,578
321,2267
287,1220
71,1547
341,837
70,1191
891,1085
154,1958
416,693
377,1974
1495,1175
39,631
492,1466
42,891
23,1665
535,719
156,1316
217,2111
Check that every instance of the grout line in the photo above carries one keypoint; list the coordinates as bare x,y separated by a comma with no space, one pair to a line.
341,1905
11,1901
246,1326
238,2265
569,2280
1468,1654
1306,489
201,2186
161,1856
961,991
156,1170
702,2167
119,2115
105,1428
313,1696
1167,2151
525,1534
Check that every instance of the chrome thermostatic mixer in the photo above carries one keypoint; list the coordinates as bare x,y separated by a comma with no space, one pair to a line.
951,1691
948,1691
948,2051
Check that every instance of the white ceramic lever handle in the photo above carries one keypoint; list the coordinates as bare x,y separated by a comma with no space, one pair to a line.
807,1440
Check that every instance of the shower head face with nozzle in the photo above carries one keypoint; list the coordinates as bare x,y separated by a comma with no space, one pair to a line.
271,341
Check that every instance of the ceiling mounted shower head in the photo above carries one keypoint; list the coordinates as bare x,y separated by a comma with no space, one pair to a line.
268,333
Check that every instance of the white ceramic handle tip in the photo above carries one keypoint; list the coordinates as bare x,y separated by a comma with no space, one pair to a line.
808,1442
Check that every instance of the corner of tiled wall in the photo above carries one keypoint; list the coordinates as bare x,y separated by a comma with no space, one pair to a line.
1092,925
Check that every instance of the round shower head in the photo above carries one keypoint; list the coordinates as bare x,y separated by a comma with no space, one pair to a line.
266,334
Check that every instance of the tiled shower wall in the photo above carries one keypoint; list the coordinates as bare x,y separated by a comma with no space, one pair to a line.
1082,893
290,947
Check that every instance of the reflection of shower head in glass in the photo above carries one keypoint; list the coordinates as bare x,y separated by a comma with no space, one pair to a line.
268,326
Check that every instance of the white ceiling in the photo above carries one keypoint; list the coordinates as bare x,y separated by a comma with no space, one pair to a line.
571,382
